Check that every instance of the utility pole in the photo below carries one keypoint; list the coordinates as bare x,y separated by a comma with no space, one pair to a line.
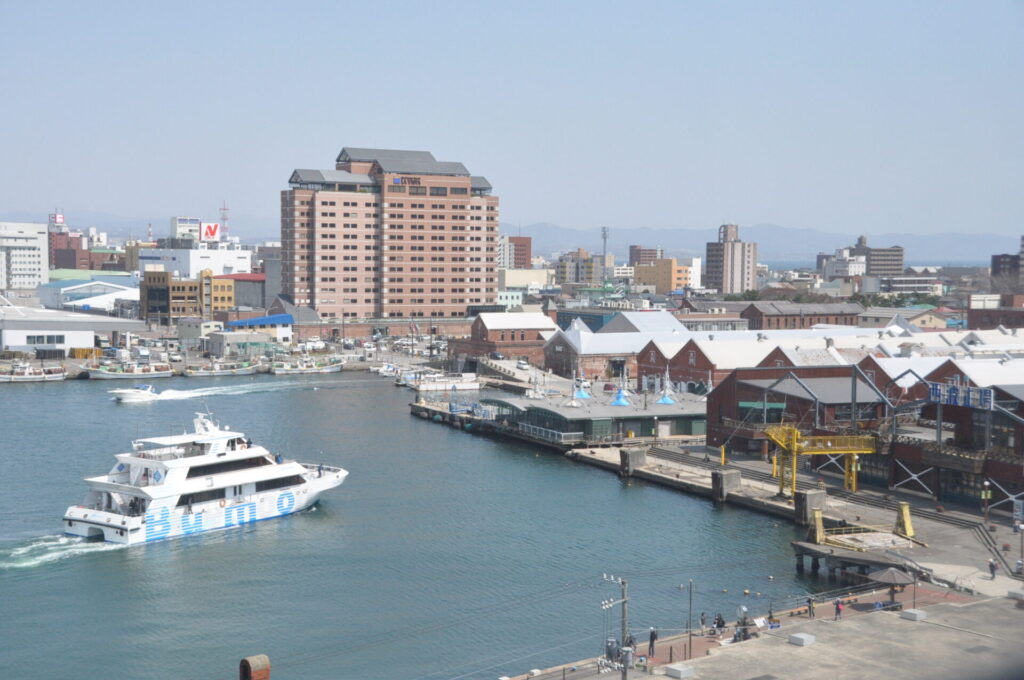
689,624
624,601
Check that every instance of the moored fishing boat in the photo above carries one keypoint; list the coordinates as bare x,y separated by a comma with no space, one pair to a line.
24,372
219,368
128,371
307,365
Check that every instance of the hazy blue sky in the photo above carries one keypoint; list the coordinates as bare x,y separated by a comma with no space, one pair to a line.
856,117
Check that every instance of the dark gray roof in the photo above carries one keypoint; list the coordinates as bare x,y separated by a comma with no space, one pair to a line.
828,390
1015,391
403,162
409,167
329,176
477,182
300,315
352,153
795,308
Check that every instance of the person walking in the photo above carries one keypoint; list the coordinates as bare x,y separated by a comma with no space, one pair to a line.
992,568
650,643
839,610
810,607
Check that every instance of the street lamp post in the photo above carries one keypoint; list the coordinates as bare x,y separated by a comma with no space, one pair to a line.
986,494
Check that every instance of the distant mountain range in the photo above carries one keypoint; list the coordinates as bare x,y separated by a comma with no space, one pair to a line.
775,244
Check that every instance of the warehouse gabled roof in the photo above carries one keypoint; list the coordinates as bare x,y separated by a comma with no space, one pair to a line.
503,321
827,390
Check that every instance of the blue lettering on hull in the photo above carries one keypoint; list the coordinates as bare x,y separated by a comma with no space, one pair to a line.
193,525
243,513
285,503
158,524
161,523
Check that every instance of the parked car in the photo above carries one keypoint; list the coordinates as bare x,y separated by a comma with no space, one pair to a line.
523,365
610,387
174,356
497,355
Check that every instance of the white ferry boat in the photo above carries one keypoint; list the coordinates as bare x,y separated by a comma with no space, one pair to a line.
184,484
218,368
128,371
306,365
439,382
135,395
23,372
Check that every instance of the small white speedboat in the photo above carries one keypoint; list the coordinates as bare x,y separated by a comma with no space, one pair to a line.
139,393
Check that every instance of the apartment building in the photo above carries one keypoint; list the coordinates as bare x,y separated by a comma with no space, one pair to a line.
638,255
24,255
389,233
731,264
163,299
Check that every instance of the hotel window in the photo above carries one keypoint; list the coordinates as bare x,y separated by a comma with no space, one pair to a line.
418,191
438,191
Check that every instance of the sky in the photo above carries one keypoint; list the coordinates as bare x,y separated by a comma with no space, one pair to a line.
856,117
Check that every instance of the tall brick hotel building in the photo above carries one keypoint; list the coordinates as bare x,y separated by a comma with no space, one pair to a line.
389,234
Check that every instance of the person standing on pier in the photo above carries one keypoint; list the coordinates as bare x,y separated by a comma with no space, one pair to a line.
810,607
703,621
992,568
650,643
839,610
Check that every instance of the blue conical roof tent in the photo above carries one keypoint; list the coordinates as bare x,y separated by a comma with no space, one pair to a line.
620,399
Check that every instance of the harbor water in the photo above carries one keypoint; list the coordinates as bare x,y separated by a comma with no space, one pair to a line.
443,555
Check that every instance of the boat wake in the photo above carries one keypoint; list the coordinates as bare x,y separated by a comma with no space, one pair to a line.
49,549
231,390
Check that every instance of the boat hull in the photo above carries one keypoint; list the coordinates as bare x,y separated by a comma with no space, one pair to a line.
175,522
97,374
335,368
247,370
47,377
446,386
135,398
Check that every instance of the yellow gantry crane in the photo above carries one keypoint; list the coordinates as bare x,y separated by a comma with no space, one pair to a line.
792,444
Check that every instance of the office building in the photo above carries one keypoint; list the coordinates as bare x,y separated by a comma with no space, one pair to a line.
731,264
665,274
638,255
879,261
221,257
389,234
24,255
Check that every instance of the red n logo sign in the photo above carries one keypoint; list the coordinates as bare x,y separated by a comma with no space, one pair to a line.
210,231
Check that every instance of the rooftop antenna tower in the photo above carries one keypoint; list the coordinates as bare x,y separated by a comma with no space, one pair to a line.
224,217
604,259
149,232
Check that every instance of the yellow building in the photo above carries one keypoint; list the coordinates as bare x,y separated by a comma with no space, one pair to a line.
665,274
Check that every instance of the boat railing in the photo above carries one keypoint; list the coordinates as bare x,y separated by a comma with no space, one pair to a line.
170,453
318,468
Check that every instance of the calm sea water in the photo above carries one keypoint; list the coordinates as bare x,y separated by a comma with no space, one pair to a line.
444,555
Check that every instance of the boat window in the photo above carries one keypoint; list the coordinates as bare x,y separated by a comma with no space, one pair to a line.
226,466
200,497
278,483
